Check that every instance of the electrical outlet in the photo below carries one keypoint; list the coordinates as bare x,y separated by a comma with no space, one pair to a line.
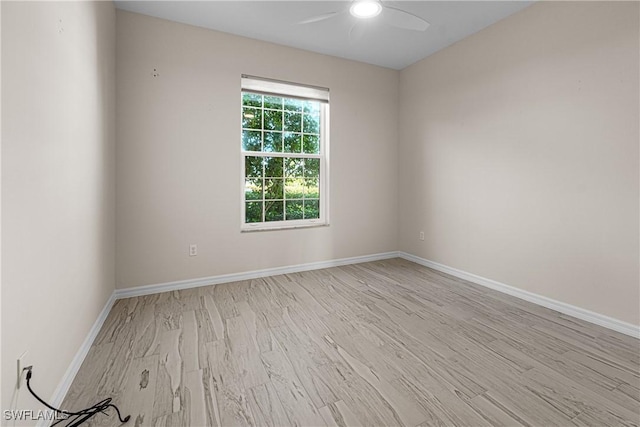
20,366
422,235
193,250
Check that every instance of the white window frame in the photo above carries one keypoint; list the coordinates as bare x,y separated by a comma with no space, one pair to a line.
288,90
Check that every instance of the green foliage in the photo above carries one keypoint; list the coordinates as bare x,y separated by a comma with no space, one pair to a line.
253,189
292,142
280,114
253,166
295,209
292,122
294,167
274,102
294,188
253,212
311,144
273,142
311,168
281,188
273,120
311,209
311,188
251,140
251,99
273,167
274,188
251,118
274,211
312,123
293,105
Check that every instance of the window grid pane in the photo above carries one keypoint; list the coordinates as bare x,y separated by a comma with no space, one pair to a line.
285,186
297,121
281,188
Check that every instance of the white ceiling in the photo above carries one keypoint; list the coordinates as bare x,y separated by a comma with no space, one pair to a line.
379,44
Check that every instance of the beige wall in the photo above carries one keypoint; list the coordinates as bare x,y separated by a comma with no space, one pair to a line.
57,183
178,154
519,155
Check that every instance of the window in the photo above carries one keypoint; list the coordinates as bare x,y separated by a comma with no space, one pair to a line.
284,146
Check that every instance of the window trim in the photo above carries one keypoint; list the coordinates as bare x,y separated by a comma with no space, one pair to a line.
270,87
324,198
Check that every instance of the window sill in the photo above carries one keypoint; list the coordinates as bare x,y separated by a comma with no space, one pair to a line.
282,227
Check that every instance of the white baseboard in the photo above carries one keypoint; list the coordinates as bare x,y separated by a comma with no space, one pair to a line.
571,310
235,277
74,367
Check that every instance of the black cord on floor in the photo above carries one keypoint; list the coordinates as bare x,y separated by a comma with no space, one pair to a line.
76,418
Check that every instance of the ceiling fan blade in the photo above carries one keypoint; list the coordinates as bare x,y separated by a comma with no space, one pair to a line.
405,20
319,18
357,31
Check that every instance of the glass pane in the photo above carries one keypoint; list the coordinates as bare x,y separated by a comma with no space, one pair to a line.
253,189
311,188
292,122
274,211
273,102
293,104
252,100
294,188
251,140
311,123
293,167
274,188
311,107
273,167
311,144
312,168
253,212
273,142
294,209
253,166
290,187
292,142
311,209
273,120
251,118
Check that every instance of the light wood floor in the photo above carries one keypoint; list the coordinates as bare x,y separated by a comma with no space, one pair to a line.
377,344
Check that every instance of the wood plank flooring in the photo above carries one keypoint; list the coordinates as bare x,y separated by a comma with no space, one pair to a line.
387,343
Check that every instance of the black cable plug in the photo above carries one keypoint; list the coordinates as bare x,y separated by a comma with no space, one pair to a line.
28,369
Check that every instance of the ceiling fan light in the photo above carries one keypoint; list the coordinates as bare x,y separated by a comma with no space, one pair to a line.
365,9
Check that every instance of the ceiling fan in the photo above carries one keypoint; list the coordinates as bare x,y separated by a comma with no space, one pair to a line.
367,9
